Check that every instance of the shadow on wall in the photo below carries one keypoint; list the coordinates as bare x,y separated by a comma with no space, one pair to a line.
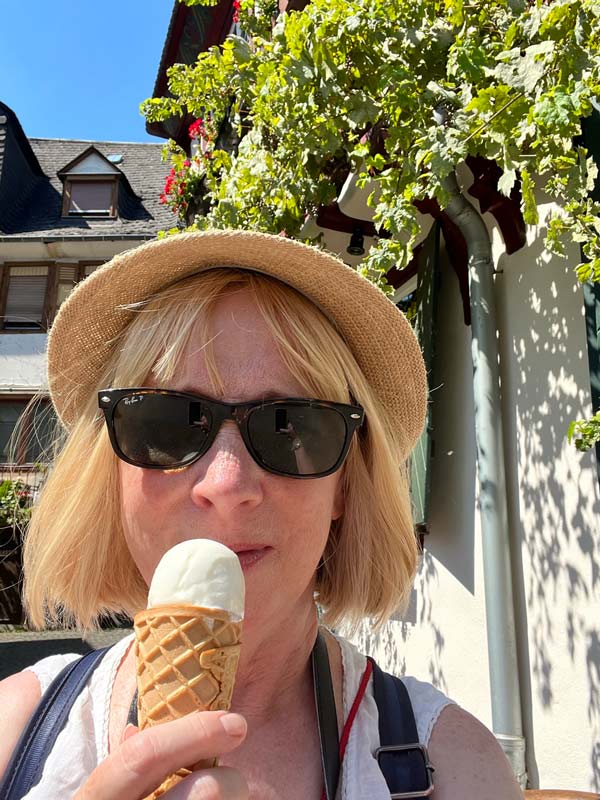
553,497
385,645
452,503
553,493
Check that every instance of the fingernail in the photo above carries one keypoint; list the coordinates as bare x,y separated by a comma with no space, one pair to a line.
233,724
129,731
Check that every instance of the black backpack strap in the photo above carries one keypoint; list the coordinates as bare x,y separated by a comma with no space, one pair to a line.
402,759
326,717
29,756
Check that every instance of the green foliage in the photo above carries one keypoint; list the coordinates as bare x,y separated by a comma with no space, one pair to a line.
355,85
585,432
400,92
15,504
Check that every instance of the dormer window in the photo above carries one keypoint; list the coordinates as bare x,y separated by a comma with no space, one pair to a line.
91,186
87,197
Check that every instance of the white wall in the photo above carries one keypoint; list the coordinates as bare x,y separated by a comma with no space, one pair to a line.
554,506
22,362
554,510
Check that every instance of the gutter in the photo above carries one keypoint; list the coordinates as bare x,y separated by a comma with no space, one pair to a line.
123,237
499,604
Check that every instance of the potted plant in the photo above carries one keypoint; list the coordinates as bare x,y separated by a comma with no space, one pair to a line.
15,509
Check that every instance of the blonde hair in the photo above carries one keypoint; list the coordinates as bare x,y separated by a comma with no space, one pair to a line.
76,562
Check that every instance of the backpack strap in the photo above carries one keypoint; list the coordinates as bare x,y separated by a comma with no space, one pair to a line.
29,756
402,759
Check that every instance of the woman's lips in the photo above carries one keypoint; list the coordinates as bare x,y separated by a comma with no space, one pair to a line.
250,556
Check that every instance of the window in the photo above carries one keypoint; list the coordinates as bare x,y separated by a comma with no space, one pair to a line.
28,442
25,297
31,294
67,278
89,197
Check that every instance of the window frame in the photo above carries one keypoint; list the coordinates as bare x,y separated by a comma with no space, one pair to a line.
51,295
102,178
4,287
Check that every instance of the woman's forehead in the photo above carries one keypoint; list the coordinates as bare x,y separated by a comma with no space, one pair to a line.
242,347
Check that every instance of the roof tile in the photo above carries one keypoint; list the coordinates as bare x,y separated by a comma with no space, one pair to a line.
140,212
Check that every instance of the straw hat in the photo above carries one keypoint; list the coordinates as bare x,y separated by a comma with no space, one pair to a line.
90,321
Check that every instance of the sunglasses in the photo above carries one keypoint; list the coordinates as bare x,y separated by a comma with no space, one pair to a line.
163,429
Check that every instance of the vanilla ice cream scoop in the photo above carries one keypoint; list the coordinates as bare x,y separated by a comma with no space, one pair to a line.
200,572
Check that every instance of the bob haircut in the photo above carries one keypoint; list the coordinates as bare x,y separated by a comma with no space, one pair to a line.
76,562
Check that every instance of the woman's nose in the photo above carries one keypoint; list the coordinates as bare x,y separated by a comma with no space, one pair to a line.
226,477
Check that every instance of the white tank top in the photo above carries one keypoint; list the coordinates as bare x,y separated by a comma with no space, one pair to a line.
83,742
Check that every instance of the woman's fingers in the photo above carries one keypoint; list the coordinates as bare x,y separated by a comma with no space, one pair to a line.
130,730
221,783
145,759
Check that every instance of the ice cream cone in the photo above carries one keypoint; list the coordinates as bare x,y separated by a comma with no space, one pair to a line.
186,659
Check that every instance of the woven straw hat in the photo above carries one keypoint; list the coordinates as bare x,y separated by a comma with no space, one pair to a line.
90,321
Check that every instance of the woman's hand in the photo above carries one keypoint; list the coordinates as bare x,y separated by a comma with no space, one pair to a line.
145,758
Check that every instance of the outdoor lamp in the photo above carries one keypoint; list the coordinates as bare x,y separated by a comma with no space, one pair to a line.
357,241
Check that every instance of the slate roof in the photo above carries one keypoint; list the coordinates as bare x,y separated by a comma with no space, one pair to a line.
38,213
19,168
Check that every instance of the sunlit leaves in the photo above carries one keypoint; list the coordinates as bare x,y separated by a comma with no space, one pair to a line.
529,208
400,91
585,432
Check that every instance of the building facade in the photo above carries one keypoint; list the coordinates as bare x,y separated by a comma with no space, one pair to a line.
66,207
545,344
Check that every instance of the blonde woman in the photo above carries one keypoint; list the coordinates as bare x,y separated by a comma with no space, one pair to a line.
313,393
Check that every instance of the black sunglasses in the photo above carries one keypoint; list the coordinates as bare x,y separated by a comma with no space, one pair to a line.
163,429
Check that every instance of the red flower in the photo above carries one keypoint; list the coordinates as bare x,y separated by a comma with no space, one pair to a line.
187,163
196,129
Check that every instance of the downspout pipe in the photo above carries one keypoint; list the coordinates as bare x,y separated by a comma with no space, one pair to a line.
501,634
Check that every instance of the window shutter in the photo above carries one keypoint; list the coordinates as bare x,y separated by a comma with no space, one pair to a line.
9,414
67,278
91,197
591,291
426,298
25,298
67,273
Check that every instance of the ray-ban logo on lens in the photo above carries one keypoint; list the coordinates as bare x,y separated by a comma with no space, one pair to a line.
135,398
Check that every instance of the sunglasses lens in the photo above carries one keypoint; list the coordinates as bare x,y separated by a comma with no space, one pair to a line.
160,430
296,439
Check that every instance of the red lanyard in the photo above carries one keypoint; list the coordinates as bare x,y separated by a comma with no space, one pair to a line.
353,712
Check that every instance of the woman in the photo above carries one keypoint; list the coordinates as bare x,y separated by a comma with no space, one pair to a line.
309,495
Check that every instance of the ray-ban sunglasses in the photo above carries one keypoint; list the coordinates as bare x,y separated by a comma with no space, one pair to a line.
164,429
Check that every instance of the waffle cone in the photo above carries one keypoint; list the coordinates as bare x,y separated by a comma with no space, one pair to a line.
186,660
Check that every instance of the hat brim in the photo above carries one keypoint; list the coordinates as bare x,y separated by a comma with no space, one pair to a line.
90,321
